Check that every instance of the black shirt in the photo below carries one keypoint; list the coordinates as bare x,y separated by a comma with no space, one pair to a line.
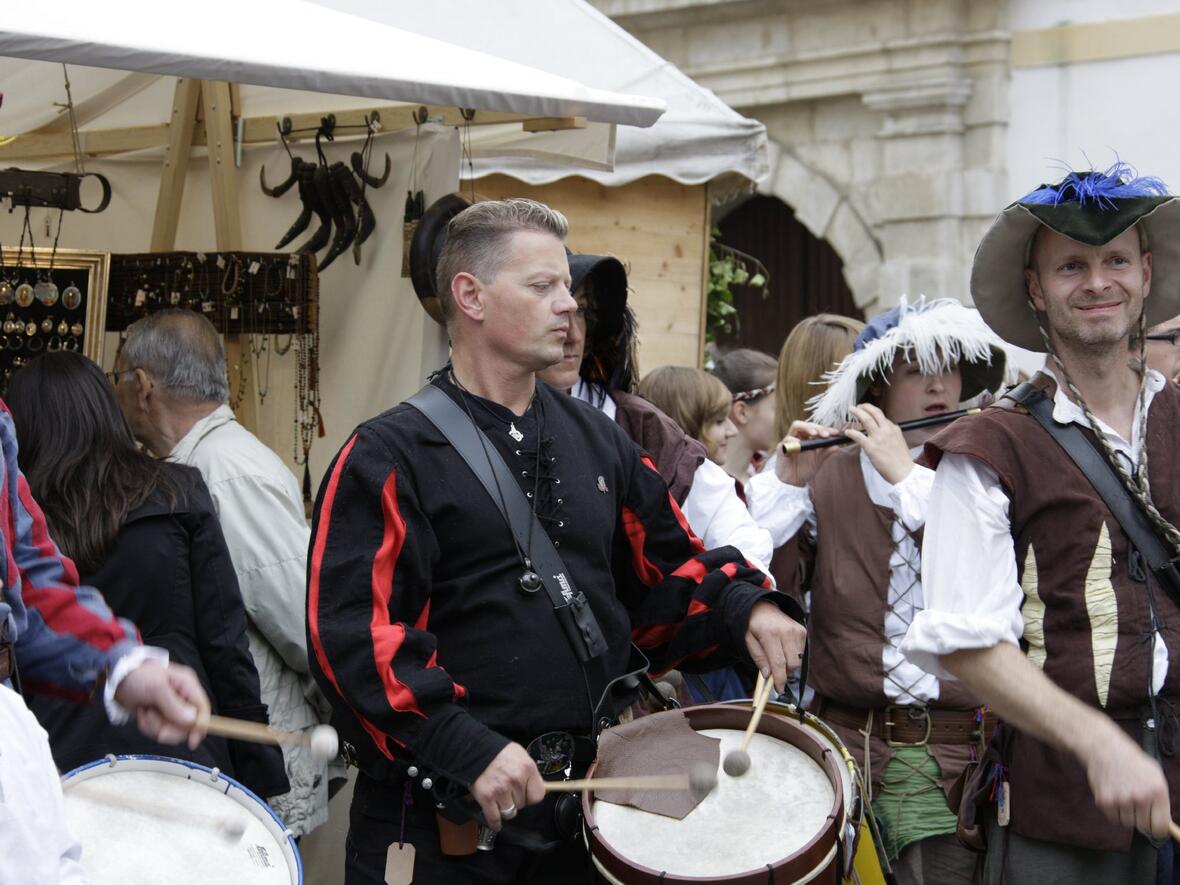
417,623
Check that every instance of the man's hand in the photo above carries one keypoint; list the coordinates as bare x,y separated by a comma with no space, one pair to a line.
801,468
883,441
509,783
168,702
775,642
1128,785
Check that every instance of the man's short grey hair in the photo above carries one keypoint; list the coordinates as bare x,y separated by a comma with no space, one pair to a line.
182,352
475,240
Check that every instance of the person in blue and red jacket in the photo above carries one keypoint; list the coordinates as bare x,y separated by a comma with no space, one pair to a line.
65,641
421,631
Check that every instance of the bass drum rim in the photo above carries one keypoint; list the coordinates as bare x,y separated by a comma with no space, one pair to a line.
816,857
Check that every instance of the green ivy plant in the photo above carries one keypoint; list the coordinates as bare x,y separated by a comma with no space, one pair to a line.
729,267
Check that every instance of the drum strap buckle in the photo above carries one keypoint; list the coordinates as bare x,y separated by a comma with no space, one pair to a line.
889,720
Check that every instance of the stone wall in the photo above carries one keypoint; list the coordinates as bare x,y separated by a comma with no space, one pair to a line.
887,120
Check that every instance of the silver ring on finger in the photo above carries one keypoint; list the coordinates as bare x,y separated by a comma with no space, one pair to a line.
509,812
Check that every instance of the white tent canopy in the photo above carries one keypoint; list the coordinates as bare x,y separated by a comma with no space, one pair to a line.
292,44
699,139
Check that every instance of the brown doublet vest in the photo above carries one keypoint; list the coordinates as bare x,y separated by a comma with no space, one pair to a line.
849,600
1087,616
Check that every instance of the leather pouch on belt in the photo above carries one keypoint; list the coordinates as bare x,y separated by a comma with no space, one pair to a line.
972,789
456,840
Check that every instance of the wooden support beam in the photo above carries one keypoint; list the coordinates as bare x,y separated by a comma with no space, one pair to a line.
176,156
550,124
258,130
223,175
227,223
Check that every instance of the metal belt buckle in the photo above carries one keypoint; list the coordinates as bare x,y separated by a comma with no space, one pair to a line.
888,722
554,754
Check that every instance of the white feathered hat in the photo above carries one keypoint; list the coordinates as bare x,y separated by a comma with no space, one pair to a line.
938,335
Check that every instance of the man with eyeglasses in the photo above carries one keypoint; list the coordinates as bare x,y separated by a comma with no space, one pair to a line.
1163,348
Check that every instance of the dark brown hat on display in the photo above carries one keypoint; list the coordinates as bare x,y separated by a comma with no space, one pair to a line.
427,246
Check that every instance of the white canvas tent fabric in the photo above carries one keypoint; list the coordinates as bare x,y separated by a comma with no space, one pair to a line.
698,139
292,44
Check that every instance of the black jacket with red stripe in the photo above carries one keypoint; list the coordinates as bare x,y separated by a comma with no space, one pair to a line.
417,624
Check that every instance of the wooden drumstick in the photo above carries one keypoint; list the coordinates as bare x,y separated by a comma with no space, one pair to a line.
322,739
737,762
700,781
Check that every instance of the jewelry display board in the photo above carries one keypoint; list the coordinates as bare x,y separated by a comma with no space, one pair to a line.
51,300
269,300
242,293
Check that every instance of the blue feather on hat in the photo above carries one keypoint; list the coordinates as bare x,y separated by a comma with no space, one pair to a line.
1119,182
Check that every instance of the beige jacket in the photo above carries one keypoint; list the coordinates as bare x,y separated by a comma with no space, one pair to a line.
261,513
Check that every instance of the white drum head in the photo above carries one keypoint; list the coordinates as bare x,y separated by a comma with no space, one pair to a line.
747,822
144,820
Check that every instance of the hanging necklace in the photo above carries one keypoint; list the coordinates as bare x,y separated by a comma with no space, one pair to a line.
513,432
530,581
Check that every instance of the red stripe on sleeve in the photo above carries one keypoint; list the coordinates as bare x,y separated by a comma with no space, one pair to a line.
647,571
313,592
388,637
697,545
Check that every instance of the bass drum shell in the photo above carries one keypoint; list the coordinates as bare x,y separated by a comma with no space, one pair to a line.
145,820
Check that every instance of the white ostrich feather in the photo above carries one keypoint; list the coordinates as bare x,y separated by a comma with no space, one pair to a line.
937,334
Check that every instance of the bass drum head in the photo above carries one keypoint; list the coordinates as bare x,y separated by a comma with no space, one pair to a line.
145,820
781,819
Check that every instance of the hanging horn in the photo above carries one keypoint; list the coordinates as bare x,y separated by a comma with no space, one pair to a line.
358,166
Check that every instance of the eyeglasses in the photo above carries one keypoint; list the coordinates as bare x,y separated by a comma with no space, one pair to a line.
1172,337
115,375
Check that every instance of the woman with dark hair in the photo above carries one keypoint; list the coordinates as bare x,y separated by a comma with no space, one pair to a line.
145,532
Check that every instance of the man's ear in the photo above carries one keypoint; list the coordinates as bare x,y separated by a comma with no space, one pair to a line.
145,387
1035,295
1146,274
467,295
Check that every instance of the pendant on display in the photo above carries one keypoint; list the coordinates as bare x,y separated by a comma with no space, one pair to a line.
46,292
530,581
76,330
7,292
71,297
30,328
46,325
63,328
24,295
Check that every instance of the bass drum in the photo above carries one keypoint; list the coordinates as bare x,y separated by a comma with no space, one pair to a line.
144,820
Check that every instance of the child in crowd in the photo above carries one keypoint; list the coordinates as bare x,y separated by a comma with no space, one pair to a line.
696,401
862,509
750,377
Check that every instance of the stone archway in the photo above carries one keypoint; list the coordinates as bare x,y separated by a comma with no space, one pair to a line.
832,217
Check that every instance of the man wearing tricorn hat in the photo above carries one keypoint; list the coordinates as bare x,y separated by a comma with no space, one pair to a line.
1036,598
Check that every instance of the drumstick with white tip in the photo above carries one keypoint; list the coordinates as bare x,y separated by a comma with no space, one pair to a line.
737,762
322,739
699,781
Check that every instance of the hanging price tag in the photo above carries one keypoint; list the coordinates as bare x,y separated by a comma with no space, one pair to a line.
140,297
255,266
1002,808
221,262
399,864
